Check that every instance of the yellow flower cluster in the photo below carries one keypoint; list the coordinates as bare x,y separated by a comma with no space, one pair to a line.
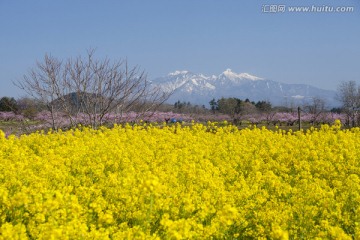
181,182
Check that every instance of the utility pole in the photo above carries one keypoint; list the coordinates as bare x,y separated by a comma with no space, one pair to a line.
299,117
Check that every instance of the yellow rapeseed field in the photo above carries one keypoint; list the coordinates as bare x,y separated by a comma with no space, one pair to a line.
202,181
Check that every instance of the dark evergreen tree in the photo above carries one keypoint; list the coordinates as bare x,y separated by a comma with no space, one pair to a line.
8,104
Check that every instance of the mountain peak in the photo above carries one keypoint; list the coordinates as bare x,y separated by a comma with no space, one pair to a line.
232,75
177,72
228,71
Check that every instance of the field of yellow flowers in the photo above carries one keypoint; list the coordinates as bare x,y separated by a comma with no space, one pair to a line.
199,181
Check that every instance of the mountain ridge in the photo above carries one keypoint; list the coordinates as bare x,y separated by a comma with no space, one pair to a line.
200,89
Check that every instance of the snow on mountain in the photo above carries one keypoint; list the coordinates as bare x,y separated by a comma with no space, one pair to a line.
177,72
238,76
185,81
200,89
298,97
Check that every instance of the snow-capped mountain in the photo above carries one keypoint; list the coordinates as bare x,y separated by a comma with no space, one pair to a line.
200,89
228,74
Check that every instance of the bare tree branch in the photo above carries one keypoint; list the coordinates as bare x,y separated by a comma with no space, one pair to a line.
86,86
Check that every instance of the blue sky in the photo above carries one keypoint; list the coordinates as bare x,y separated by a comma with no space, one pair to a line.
202,36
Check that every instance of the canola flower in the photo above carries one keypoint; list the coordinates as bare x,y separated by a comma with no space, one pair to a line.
181,182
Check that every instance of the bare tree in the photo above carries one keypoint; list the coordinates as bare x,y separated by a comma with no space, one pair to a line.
42,83
91,88
349,96
29,107
316,108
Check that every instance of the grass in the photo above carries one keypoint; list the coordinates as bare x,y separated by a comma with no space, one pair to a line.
23,127
17,127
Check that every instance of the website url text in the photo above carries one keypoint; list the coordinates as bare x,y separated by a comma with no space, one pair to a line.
278,8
